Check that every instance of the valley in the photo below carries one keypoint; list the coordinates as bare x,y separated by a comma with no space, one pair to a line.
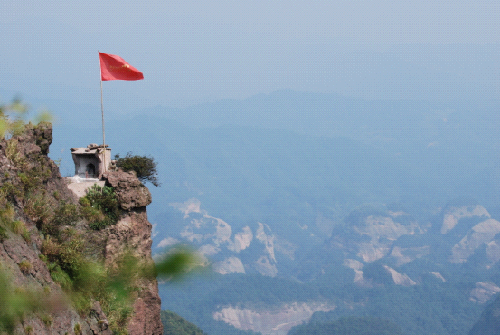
391,214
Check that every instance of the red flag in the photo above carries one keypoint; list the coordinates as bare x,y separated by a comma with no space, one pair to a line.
116,68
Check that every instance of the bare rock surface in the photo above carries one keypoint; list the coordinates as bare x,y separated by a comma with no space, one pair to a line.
132,233
130,191
482,233
273,320
381,232
218,240
483,292
229,265
454,214
399,278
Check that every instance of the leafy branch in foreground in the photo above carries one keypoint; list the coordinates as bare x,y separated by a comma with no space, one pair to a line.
16,302
177,262
144,166
85,281
12,118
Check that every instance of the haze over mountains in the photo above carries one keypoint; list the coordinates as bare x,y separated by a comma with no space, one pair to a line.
308,202
334,161
448,143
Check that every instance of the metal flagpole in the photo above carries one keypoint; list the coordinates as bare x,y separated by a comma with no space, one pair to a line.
102,116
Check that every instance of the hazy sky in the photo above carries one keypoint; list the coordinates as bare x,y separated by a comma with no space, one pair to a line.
206,50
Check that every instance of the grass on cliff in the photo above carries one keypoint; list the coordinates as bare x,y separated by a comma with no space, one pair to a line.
16,302
100,207
68,231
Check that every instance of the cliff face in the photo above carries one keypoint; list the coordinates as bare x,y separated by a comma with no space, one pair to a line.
133,233
46,241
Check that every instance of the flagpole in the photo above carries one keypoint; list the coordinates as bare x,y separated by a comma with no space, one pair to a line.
102,116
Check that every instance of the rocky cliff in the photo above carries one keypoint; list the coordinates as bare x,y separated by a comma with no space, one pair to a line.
71,277
133,233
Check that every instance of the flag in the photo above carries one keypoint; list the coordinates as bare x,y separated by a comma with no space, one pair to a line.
116,68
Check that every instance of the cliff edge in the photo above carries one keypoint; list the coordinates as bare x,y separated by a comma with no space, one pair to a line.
62,257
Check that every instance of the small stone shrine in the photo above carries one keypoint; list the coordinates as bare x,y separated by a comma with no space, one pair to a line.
91,162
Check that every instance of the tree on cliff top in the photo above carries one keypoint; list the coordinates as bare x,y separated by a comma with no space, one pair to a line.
144,166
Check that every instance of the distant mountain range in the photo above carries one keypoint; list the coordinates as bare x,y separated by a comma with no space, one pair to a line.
370,208
374,256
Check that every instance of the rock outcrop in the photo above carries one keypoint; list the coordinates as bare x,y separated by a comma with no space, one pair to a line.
132,233
32,197
224,244
481,234
130,191
483,292
272,321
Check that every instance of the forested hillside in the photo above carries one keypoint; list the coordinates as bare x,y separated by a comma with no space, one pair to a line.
350,326
390,205
173,324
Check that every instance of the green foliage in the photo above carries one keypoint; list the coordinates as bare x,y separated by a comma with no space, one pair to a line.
37,208
100,207
25,266
15,302
18,227
11,192
173,324
12,118
68,254
144,166
77,329
12,152
7,213
84,277
86,280
3,234
66,214
47,320
60,277
176,263
6,220
26,236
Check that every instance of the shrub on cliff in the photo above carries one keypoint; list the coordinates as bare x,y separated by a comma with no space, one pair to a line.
100,206
144,166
